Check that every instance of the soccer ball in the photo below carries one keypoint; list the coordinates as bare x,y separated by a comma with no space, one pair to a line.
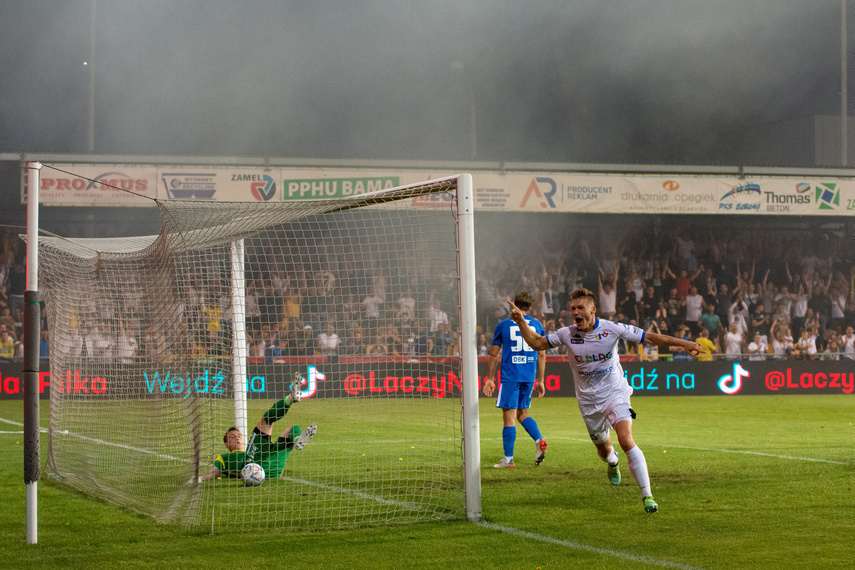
252,474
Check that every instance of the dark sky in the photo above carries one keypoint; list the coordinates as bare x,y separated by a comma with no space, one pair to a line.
666,81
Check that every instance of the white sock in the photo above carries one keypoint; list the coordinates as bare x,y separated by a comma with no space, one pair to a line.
612,458
638,467
509,459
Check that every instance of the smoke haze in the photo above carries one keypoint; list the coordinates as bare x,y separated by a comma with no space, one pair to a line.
668,81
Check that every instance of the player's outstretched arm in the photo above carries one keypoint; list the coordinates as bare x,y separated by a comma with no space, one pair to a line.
658,339
533,339
212,474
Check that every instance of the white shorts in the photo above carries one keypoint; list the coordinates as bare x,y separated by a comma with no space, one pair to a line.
602,416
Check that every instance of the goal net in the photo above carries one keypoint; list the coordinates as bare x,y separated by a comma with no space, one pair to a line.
160,344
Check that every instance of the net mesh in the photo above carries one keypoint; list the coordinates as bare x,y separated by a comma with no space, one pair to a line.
358,297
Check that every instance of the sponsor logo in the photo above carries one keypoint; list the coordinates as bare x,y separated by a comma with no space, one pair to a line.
190,186
585,192
827,196
206,383
261,186
72,382
732,383
323,188
313,377
544,198
802,187
436,386
519,359
784,202
489,197
434,200
744,194
582,359
652,380
107,181
671,185
843,381
743,190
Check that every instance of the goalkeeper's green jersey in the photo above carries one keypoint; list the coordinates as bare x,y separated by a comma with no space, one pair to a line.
231,463
271,455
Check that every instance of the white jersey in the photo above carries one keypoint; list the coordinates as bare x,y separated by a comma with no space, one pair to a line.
594,358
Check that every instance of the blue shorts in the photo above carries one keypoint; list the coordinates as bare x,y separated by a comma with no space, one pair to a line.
514,395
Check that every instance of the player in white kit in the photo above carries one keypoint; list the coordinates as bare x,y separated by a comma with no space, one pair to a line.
601,389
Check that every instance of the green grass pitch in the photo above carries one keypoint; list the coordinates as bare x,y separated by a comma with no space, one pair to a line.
742,482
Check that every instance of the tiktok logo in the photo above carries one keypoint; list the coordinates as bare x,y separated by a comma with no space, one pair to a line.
312,384
731,384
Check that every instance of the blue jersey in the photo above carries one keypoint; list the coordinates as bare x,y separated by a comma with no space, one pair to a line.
519,360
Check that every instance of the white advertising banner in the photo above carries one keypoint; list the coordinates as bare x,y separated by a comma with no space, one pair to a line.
109,184
608,193
494,191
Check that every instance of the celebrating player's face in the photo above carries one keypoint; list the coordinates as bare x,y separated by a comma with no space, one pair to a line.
584,312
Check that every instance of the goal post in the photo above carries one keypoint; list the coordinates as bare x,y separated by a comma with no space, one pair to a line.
32,323
238,290
161,344
469,348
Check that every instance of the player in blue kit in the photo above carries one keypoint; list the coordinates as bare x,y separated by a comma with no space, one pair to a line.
523,369
601,389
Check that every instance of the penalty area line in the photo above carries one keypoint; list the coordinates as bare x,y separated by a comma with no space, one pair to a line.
578,546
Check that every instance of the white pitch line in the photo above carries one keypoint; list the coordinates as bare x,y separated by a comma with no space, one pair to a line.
728,451
392,502
578,546
102,442
510,530
576,439
507,529
415,507
759,453
582,440
41,429
11,422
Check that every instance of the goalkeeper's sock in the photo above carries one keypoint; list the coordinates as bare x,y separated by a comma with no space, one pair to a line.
531,427
509,436
277,412
638,467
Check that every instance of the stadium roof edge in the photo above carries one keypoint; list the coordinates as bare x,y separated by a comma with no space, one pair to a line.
450,165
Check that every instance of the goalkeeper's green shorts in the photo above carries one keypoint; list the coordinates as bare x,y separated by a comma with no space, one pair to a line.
277,454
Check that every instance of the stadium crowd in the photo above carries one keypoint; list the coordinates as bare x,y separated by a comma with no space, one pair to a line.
747,293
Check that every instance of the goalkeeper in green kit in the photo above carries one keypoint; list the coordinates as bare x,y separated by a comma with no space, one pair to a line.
261,448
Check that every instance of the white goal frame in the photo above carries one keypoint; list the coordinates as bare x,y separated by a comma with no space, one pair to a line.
469,399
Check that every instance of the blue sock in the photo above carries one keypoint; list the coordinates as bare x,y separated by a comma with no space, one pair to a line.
531,427
509,435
